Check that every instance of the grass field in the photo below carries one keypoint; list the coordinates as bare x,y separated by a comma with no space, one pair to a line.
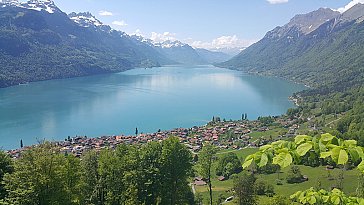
316,176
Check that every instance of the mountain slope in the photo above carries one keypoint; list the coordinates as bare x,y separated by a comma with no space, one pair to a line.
179,52
314,56
212,56
39,42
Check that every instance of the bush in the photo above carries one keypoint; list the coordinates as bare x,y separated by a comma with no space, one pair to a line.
279,182
268,169
279,200
263,188
260,187
294,175
269,190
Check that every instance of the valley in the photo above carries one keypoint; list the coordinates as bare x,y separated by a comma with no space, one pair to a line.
93,114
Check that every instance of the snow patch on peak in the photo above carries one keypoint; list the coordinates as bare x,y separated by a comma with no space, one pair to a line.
85,19
11,3
169,44
37,5
142,39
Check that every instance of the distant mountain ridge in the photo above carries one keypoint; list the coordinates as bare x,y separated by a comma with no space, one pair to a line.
321,46
182,53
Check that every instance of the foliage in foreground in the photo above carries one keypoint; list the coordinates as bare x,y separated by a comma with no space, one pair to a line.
334,197
325,149
155,173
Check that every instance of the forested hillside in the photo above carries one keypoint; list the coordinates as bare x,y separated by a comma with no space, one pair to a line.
325,50
39,45
332,54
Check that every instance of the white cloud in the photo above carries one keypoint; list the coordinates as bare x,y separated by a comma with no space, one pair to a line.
105,13
277,1
223,42
160,37
349,5
119,23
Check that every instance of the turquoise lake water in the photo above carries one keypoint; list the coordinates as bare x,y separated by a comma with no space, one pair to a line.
150,99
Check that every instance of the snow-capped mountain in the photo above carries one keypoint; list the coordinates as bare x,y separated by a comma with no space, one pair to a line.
163,44
176,51
85,19
170,44
183,53
37,5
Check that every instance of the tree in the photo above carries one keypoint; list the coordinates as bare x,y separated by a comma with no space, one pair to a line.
328,147
198,199
150,179
136,131
91,187
38,178
6,167
228,164
360,188
279,200
220,198
72,179
294,175
205,161
176,165
244,189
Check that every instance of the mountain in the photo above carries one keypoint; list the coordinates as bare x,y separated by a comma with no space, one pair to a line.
228,50
182,53
321,47
179,52
212,56
40,42
37,5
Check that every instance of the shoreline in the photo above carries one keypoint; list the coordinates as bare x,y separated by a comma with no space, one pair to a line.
214,132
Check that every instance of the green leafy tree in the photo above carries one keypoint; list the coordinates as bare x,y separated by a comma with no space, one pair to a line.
38,178
244,189
294,175
150,179
176,166
228,164
6,167
73,183
279,200
327,146
111,174
360,187
91,179
205,161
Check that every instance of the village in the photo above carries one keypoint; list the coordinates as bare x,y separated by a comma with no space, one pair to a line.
223,134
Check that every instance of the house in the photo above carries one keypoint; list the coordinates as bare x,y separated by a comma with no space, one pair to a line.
200,183
221,178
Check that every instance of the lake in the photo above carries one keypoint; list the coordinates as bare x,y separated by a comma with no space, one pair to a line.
149,99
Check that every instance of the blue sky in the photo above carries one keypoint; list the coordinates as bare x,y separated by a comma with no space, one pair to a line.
203,23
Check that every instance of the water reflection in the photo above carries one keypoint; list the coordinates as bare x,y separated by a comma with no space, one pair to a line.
150,99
